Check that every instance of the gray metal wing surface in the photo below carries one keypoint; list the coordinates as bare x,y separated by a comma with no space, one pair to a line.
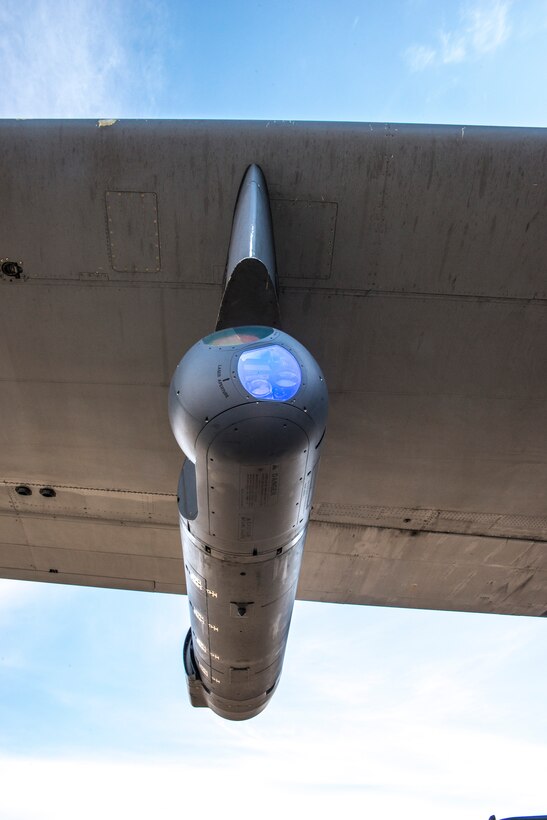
412,264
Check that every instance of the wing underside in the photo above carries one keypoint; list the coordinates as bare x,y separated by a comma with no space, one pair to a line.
411,262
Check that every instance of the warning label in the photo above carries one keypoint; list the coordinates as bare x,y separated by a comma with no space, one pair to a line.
258,486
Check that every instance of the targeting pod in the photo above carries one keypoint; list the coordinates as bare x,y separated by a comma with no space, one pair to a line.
248,407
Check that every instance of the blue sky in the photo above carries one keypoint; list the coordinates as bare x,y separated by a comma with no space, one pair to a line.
476,62
382,712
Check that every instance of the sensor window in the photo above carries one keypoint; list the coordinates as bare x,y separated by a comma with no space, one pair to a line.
269,373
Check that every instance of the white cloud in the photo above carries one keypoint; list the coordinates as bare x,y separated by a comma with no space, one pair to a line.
379,713
484,28
374,769
57,60
375,766
69,59
453,47
488,26
419,57
61,789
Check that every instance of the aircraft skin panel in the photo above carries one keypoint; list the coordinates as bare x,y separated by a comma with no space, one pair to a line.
411,262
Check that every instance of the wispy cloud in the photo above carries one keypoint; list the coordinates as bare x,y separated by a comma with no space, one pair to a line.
419,57
393,717
487,26
484,27
66,59
378,769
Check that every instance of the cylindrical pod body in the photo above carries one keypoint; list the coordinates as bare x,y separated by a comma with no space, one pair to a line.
248,407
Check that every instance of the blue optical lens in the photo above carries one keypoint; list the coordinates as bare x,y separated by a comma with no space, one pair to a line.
269,373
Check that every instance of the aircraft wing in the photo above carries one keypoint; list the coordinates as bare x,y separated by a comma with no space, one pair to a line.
412,264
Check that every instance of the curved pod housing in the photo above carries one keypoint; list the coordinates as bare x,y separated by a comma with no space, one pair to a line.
248,407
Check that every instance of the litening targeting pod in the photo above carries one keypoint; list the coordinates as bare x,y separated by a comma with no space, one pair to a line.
248,407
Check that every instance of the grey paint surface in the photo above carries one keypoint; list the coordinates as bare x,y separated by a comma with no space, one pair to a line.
412,265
